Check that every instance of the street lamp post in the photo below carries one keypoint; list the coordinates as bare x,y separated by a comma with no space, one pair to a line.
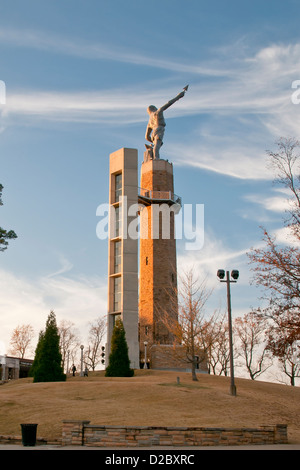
234,275
81,361
145,344
68,357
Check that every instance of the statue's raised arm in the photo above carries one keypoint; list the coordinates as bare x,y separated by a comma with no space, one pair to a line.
169,103
156,125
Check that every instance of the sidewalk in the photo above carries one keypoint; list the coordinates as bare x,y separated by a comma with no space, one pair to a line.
195,449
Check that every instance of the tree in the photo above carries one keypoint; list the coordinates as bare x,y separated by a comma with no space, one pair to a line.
21,339
4,234
276,267
219,352
48,367
250,331
37,355
119,364
288,354
68,340
285,163
192,330
96,334
290,367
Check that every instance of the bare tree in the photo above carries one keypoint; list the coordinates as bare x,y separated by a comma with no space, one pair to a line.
96,335
276,267
219,353
192,330
21,339
287,352
251,330
69,341
285,164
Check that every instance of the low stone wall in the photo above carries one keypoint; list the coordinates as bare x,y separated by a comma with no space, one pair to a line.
83,433
40,441
173,357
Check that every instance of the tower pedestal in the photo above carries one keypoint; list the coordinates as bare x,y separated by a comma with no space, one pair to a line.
158,271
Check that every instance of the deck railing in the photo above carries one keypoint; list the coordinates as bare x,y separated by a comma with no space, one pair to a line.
167,196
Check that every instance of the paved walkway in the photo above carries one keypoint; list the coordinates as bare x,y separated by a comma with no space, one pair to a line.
281,447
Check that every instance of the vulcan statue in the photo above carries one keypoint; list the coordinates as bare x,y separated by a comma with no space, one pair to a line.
156,125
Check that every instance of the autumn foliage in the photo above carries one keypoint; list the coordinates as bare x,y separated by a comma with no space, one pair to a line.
276,265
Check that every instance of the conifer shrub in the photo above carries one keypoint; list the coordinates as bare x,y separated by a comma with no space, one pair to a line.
47,365
119,364
37,355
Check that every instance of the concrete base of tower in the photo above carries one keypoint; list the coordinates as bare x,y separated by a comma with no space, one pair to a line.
173,357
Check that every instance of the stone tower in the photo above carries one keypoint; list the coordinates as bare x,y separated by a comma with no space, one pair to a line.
157,263
149,319
123,250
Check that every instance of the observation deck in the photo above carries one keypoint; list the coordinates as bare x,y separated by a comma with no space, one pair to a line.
148,197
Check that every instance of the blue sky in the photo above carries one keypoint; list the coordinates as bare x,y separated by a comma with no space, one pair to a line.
79,77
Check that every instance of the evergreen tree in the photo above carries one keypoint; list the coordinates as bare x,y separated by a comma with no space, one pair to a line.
119,364
37,355
48,367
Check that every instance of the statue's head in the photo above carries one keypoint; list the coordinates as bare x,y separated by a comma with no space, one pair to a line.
151,109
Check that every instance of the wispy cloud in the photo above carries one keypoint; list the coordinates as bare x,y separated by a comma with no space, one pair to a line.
227,158
251,92
245,83
277,204
58,44
66,266
280,202
24,301
102,106
257,83
285,236
211,257
274,61
217,255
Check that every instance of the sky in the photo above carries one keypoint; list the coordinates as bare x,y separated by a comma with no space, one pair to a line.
79,76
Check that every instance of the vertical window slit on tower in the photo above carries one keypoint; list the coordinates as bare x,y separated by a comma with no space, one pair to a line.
117,256
117,294
118,187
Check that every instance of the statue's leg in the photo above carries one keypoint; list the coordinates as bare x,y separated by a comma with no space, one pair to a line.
157,145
